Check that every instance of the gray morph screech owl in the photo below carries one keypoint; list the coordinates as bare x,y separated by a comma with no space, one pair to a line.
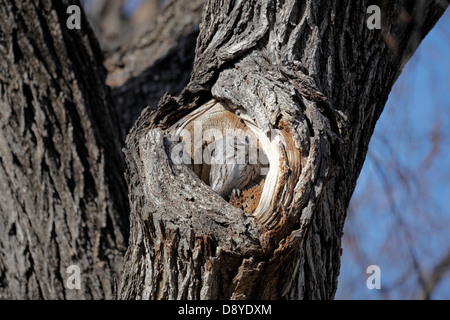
234,164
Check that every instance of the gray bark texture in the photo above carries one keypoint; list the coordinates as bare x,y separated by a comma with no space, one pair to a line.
316,73
63,197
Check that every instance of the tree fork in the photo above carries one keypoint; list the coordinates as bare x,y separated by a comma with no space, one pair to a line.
311,70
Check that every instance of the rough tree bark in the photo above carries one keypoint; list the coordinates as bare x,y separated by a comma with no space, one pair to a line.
313,72
63,197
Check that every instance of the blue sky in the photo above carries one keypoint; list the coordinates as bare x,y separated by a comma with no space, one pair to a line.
420,190
131,5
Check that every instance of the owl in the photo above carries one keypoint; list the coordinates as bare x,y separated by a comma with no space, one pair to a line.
234,164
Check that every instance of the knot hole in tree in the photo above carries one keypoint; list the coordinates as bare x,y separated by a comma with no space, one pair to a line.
229,152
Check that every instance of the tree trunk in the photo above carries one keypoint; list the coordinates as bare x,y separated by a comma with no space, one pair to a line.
63,195
314,76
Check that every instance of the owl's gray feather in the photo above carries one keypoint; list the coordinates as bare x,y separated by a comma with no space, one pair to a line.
231,167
